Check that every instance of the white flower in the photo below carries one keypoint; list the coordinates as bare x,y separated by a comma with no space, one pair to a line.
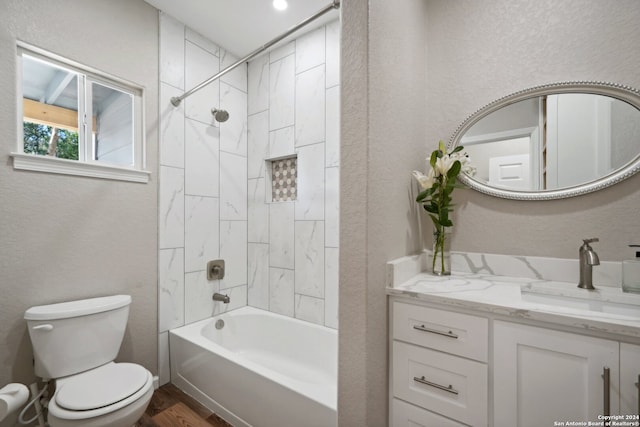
463,158
425,181
444,163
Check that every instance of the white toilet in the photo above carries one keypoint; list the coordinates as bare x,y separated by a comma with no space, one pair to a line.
75,344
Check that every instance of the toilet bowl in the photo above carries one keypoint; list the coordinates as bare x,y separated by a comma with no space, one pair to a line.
75,344
114,395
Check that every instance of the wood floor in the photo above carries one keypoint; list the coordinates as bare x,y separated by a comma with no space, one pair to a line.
170,407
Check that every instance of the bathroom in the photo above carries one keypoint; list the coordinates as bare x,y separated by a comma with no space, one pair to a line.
447,62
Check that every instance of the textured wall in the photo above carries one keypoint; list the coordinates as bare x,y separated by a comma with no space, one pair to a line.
410,77
480,51
383,138
64,237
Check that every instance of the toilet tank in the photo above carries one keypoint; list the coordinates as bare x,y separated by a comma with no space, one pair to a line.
76,336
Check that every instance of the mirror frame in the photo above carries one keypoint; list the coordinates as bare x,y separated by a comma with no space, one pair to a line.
621,92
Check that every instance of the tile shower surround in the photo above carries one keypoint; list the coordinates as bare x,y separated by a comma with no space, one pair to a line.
282,256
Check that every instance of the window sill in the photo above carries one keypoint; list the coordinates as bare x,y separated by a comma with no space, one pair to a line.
47,164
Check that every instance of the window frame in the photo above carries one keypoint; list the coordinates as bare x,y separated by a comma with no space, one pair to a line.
85,165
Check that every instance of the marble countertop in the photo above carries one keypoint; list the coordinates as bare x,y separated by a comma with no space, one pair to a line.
606,309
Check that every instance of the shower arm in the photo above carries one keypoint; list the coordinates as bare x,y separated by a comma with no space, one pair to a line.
176,100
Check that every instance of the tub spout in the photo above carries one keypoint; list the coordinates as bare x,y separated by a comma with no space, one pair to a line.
219,297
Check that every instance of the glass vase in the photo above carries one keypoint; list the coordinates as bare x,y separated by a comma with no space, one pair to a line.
441,255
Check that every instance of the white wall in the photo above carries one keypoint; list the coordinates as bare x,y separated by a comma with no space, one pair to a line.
203,182
294,94
65,237
411,75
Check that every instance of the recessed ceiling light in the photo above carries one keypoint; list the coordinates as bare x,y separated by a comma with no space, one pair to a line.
280,4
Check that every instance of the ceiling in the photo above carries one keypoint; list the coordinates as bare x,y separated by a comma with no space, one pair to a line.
242,26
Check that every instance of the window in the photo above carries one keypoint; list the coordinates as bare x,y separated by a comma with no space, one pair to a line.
76,120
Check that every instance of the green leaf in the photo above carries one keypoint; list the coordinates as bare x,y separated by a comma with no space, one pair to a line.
441,146
454,170
457,149
423,195
434,157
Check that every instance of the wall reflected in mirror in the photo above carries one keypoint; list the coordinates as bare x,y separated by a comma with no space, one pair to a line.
553,141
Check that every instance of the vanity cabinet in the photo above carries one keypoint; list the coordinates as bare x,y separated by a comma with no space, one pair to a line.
439,373
629,378
543,376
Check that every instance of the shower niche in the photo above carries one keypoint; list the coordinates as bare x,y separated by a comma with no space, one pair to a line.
282,179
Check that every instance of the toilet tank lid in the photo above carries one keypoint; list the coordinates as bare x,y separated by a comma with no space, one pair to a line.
78,308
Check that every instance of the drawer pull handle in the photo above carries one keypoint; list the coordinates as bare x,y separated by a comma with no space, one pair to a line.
606,376
449,389
435,331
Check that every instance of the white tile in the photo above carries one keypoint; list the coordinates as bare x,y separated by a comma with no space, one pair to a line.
333,53
281,233
332,126
310,201
309,309
202,159
310,106
258,275
282,93
281,291
171,208
171,128
171,51
233,132
236,77
197,296
233,187
331,287
282,142
170,289
237,299
164,368
281,52
258,85
309,258
258,212
310,50
332,207
201,232
233,250
201,65
200,40
258,144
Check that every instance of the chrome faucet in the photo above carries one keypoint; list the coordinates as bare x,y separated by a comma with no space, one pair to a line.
588,258
219,297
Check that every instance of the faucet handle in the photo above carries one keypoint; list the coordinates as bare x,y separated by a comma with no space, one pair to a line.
591,240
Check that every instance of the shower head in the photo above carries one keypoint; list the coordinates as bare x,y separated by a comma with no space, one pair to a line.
220,115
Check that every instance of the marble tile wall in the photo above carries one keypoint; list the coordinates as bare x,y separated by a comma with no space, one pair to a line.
203,201
293,109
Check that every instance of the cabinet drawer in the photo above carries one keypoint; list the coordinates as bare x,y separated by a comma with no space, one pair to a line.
454,333
442,383
407,415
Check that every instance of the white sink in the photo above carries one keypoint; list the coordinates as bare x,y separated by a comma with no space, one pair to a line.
607,300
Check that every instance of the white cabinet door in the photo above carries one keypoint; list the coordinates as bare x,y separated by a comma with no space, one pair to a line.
542,376
629,379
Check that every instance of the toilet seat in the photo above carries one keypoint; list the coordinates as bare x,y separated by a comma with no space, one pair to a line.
99,391
101,387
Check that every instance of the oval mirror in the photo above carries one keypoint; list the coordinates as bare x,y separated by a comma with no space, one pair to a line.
553,141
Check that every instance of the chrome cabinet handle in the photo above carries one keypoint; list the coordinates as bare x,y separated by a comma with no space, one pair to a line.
449,389
606,376
435,331
638,387
45,327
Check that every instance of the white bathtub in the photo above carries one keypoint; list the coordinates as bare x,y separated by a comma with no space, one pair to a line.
261,369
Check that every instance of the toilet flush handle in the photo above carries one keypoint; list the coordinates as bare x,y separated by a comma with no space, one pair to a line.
46,327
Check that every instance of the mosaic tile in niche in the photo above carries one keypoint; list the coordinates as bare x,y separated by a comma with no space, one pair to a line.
284,179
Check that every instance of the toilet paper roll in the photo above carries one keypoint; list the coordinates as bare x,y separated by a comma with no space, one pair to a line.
12,397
